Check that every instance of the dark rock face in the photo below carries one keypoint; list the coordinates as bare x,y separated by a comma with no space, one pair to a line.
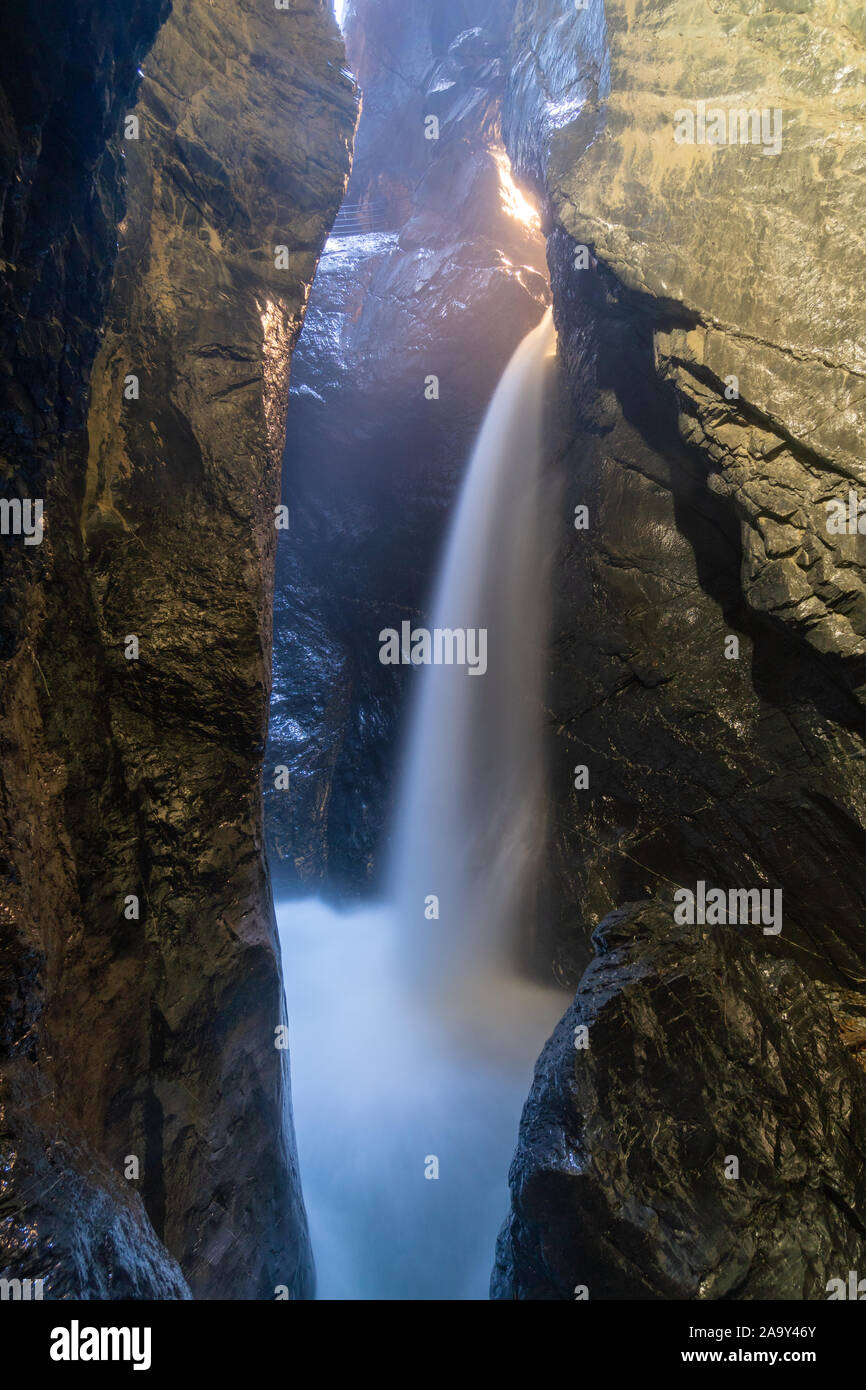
153,1035
739,771
715,383
706,514
70,1220
67,73
702,1047
179,520
447,288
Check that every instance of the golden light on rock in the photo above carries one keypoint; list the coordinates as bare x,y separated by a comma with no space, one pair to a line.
514,200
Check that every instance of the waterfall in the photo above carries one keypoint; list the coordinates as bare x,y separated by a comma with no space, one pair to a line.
471,820
413,1035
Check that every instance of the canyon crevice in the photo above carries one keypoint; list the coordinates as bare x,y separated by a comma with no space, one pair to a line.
170,176
445,288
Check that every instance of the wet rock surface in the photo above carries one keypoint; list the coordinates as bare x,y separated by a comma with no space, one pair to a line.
72,1222
706,514
702,1046
713,374
742,771
67,75
153,1035
740,237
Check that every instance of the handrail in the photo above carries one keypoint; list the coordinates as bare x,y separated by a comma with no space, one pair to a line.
359,219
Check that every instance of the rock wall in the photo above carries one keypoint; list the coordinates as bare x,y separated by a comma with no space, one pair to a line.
143,995
696,1051
707,514
67,75
713,350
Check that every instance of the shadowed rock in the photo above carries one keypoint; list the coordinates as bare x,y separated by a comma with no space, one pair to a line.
152,1034
702,1046
707,514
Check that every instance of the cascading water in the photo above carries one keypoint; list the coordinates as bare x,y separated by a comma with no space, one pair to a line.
413,1036
472,804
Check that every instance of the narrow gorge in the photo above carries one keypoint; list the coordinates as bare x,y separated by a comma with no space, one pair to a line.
435,666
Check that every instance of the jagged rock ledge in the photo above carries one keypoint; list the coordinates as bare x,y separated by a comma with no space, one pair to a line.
703,1139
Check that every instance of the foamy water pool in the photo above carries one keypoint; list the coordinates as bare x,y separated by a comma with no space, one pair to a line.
384,1084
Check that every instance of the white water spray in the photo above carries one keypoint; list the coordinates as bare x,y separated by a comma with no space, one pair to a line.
413,1037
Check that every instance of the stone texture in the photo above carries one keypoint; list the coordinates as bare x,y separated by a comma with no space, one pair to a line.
144,777
702,1045
742,242
67,74
70,1220
706,521
739,771
707,514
